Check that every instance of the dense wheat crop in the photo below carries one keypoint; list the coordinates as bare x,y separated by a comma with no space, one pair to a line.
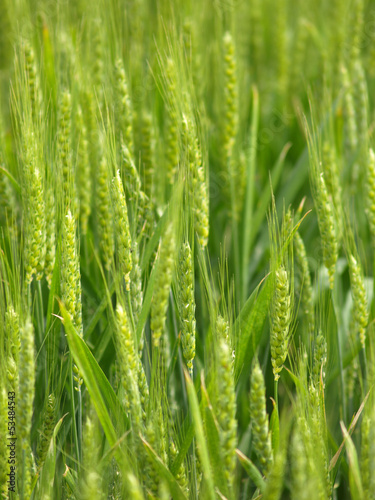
187,236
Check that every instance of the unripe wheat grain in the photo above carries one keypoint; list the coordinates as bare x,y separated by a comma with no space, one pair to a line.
172,132
187,305
196,182
280,321
326,226
307,291
123,110
83,172
129,366
226,406
35,217
48,424
103,202
122,230
163,279
360,311
230,96
259,420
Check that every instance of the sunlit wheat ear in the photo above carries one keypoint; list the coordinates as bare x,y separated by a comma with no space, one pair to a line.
320,359
196,181
230,119
34,209
123,107
98,66
32,79
307,302
332,179
222,329
83,174
281,315
131,175
360,309
71,281
129,366
12,329
318,437
172,123
64,151
104,214
145,215
46,431
259,419
327,226
162,426
122,230
134,192
163,280
187,304
226,406
12,374
181,473
351,133
70,272
25,400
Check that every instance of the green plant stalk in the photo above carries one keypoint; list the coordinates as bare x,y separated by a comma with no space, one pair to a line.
75,429
372,308
195,412
195,470
79,425
249,192
180,359
276,393
339,346
39,308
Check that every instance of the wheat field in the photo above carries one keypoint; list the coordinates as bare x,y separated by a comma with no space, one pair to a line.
187,235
